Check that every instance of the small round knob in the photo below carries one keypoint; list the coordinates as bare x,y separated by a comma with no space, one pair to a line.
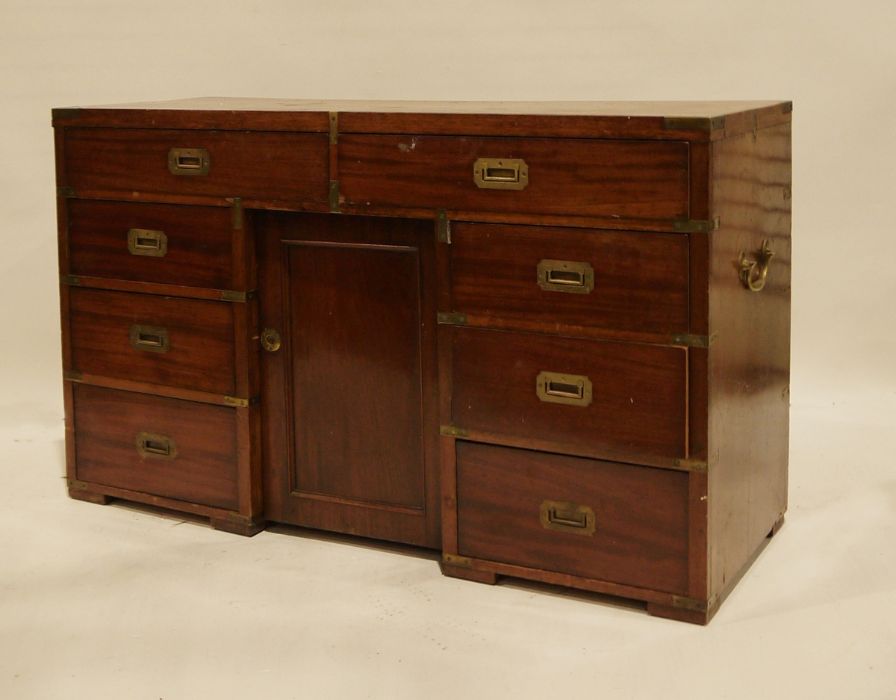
270,339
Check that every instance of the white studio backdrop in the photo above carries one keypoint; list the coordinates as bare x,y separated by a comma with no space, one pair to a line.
836,61
818,608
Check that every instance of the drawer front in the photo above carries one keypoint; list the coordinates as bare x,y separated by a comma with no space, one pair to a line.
166,447
600,520
262,165
162,243
607,399
581,177
183,343
601,279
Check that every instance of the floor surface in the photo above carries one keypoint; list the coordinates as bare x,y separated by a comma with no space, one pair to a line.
124,602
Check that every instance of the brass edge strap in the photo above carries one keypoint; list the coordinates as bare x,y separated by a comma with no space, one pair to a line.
443,227
691,465
334,128
693,123
457,560
333,189
234,401
787,108
696,225
233,295
452,431
685,603
70,280
694,341
333,196
451,318
73,375
65,191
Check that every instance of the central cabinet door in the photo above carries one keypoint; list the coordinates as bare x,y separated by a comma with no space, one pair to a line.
349,399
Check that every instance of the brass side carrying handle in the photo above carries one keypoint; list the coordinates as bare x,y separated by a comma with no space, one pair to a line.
754,273
563,516
570,389
154,445
188,161
144,241
565,276
501,173
149,338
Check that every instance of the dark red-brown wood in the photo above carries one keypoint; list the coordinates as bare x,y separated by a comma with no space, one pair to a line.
605,178
272,165
199,243
640,279
640,535
638,405
349,397
748,372
690,370
201,351
107,423
676,120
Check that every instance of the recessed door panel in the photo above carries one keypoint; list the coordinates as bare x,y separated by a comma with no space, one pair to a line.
350,420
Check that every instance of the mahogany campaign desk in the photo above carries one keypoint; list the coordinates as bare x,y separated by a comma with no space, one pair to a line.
550,339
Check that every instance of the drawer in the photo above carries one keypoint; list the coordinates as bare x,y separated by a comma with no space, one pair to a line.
599,520
165,447
581,177
184,343
616,400
162,243
565,276
251,164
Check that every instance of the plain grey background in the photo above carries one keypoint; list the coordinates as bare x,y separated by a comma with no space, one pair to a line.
816,612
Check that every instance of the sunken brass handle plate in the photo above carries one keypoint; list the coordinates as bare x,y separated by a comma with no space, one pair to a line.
563,516
270,340
188,161
754,273
149,338
153,445
501,173
144,241
565,276
570,389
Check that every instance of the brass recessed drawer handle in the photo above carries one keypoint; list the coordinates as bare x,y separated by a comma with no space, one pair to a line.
501,173
149,338
143,241
563,516
571,389
189,161
754,273
153,445
565,276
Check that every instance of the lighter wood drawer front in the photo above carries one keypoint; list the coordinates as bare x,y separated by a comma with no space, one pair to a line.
183,343
581,177
165,447
600,520
574,277
162,243
258,164
632,403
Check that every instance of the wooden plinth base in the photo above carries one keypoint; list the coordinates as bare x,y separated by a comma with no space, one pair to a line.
224,520
469,574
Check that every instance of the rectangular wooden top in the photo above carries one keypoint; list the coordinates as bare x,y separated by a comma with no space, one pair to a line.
698,120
